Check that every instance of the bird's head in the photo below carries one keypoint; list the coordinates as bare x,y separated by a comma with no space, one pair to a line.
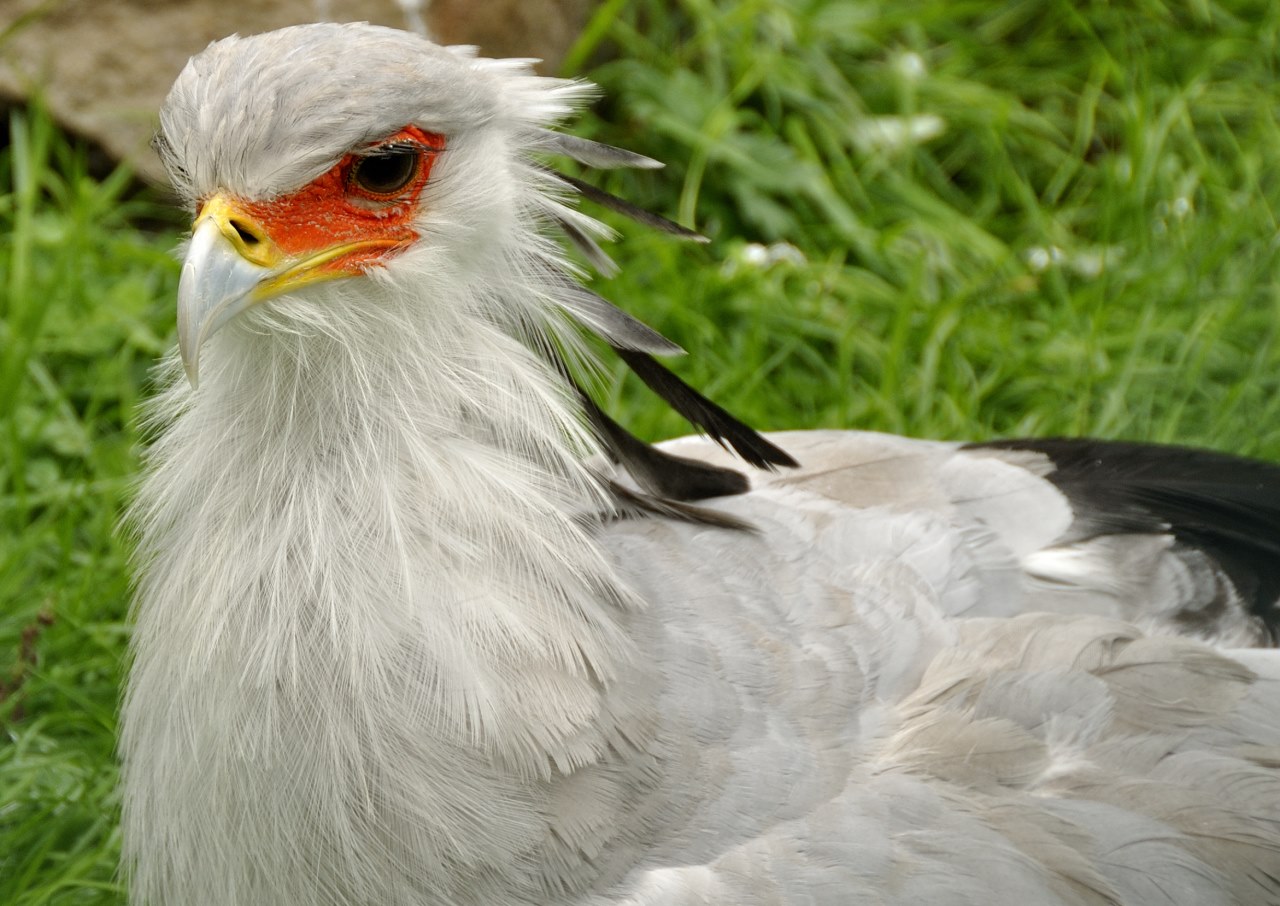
324,162
331,152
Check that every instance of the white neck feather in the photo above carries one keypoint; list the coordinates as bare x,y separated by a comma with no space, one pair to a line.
367,521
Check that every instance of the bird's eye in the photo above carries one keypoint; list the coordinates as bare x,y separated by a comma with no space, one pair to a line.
385,172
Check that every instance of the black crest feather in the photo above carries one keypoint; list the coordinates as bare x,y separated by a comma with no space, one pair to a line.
626,208
666,481
659,472
701,412
595,154
613,325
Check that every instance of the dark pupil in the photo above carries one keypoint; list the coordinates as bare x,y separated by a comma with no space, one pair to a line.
385,171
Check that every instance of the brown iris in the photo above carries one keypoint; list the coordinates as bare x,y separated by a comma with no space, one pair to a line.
386,171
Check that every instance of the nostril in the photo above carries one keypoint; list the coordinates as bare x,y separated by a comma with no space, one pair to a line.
246,235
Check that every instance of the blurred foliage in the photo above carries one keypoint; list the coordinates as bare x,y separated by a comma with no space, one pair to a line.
1020,217
83,314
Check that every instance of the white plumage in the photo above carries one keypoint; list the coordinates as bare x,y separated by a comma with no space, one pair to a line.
405,637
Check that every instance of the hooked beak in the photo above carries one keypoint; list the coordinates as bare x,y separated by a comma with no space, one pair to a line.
218,281
233,263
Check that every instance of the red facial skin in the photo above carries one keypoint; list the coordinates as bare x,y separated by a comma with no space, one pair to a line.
333,209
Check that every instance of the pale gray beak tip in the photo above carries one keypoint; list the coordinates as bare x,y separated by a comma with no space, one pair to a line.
191,365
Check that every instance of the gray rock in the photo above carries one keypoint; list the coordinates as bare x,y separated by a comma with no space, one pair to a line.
102,68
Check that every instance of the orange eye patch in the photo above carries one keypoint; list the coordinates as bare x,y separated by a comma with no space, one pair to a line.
369,196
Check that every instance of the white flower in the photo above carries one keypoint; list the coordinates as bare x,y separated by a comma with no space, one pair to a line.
756,256
911,66
893,133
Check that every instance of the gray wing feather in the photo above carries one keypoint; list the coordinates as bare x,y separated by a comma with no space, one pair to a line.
840,739
1022,542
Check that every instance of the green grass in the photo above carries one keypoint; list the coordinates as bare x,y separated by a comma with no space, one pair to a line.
1135,143
85,311
1084,241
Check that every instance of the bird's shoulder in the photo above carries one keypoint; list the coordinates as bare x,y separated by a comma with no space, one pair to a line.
1178,540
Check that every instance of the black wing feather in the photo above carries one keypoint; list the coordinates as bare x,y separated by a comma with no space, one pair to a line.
1224,505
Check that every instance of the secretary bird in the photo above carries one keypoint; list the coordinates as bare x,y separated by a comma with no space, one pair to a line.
418,623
